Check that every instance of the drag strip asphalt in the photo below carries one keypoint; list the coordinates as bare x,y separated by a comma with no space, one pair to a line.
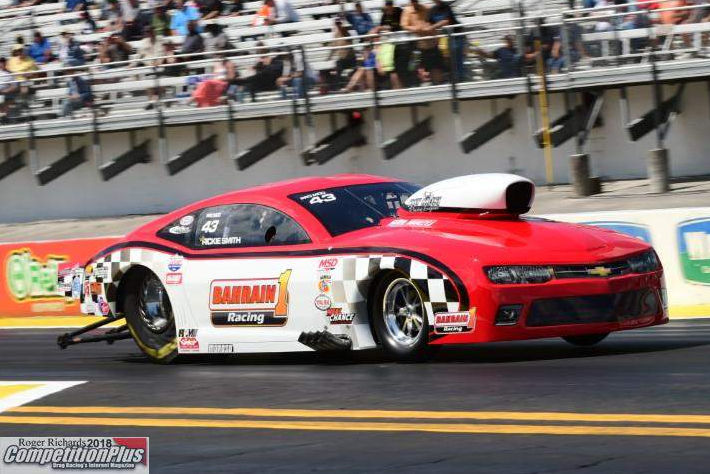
638,402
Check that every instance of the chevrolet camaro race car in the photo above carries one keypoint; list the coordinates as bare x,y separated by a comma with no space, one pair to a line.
355,262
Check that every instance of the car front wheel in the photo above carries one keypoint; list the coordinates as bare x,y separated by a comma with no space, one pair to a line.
149,316
400,320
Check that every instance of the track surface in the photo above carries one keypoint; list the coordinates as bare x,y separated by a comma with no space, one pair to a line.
663,370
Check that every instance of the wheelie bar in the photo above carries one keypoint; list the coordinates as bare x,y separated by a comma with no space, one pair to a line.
114,334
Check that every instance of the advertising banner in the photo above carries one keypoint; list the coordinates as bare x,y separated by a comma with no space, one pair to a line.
28,275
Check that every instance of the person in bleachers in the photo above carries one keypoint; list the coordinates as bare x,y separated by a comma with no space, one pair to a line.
263,14
507,59
87,19
9,89
20,63
282,11
360,20
415,19
390,19
74,5
345,55
267,70
41,49
557,59
216,39
364,76
210,92
233,8
181,17
113,49
79,95
193,41
440,16
151,46
160,21
297,76
70,52
211,9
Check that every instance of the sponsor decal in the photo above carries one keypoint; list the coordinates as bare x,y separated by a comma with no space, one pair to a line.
95,288
213,215
30,277
428,202
324,283
104,308
694,250
70,454
412,223
187,332
457,322
336,316
323,302
173,278
318,197
101,272
327,264
188,344
250,302
221,348
206,241
175,263
639,231
179,230
76,287
187,221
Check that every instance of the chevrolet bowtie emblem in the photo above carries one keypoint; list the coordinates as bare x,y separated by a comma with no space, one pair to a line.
599,271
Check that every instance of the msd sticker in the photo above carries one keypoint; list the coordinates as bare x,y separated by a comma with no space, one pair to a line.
250,302
694,250
462,321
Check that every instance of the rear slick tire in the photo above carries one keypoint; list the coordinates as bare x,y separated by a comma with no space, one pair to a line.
400,321
586,340
149,317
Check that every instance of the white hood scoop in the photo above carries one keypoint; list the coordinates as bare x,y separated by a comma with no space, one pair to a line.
479,192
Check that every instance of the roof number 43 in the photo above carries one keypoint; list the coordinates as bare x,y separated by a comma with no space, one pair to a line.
321,198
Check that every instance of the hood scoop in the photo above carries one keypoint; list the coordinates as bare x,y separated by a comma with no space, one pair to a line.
494,192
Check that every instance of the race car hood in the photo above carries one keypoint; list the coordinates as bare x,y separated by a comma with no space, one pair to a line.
502,241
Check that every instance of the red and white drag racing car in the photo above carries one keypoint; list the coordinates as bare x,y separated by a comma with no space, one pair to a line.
354,262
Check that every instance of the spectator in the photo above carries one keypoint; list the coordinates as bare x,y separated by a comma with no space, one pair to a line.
70,52
296,74
40,50
79,96
234,8
282,11
20,62
160,22
193,42
507,58
75,5
263,14
209,92
89,23
9,88
216,39
360,20
391,18
182,15
386,63
267,71
557,60
364,76
345,54
415,18
114,49
151,47
211,9
441,15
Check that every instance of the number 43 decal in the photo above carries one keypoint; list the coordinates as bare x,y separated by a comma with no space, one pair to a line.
210,226
321,198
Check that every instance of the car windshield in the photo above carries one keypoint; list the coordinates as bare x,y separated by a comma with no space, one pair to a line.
350,208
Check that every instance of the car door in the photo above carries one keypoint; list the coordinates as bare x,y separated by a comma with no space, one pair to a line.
246,283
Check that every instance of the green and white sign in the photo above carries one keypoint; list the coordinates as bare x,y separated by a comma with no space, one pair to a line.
694,249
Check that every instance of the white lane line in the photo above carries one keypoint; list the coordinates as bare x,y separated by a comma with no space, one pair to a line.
36,389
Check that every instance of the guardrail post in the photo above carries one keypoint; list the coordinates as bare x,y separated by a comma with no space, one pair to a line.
162,138
657,163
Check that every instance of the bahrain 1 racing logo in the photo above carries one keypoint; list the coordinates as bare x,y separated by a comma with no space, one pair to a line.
30,278
447,323
250,302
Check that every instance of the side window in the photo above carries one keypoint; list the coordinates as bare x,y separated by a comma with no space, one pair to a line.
246,225
179,231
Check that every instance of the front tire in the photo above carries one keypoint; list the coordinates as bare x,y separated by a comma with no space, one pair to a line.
400,319
149,317
586,340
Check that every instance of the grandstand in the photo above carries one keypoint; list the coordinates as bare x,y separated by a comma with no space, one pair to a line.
498,49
